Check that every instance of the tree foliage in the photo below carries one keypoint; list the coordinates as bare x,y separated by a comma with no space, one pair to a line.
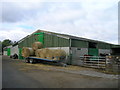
6,42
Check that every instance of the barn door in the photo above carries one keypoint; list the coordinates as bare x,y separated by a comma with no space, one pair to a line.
93,51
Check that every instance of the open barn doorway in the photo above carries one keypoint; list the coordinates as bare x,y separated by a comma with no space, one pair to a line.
92,49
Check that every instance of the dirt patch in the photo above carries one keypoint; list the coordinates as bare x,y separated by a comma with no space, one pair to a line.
50,76
27,67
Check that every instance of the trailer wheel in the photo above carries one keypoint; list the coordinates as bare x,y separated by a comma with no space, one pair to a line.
31,61
63,64
27,61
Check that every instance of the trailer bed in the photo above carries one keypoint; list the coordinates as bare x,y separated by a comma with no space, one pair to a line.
37,58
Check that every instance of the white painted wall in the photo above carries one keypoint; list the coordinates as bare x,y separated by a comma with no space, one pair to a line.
15,50
106,51
4,52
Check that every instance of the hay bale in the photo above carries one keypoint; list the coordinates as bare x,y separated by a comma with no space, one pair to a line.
41,53
58,53
37,45
44,53
38,52
26,52
51,54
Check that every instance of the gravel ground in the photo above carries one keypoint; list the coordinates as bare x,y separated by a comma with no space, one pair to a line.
25,75
75,69
90,73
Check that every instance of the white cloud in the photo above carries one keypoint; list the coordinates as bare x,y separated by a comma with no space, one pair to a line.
98,4
87,18
28,5
13,35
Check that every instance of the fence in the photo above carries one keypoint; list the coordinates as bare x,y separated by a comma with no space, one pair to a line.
94,61
108,63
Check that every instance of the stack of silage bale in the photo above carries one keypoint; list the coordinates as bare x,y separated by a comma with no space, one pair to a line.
27,51
58,54
52,54
37,52
45,53
37,45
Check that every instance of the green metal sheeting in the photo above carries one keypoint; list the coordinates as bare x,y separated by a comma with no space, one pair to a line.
40,37
28,41
85,44
48,40
8,51
55,41
103,46
20,54
79,43
93,51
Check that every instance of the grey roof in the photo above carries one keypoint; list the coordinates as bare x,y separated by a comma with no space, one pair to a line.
73,37
66,35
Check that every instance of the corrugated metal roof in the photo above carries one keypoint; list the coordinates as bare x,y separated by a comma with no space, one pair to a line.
65,35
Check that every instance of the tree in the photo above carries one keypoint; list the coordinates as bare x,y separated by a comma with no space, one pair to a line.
6,42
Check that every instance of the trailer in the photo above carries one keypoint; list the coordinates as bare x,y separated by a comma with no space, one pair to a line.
34,60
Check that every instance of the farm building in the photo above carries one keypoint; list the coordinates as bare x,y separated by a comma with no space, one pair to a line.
7,50
73,46
116,50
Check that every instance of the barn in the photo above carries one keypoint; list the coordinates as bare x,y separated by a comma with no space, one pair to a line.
73,46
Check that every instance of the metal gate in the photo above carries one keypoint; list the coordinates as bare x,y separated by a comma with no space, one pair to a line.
94,61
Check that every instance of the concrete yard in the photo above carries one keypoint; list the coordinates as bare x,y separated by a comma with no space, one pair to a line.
18,74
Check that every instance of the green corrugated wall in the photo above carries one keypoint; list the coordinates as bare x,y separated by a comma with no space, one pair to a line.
55,41
50,40
103,46
93,51
28,41
41,38
8,52
20,54
79,43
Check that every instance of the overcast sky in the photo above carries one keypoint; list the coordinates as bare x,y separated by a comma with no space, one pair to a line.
93,19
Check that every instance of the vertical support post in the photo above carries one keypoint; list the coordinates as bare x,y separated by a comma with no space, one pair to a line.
105,62
70,52
98,63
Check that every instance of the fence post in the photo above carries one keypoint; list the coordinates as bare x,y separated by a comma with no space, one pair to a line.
98,62
105,63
